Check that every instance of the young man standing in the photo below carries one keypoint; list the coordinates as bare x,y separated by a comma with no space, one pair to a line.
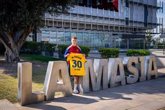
74,48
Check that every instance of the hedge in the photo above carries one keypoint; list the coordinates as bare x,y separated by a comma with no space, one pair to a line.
62,48
138,52
85,50
36,47
109,52
31,48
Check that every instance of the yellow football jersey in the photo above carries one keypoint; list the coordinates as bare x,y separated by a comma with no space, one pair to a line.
77,64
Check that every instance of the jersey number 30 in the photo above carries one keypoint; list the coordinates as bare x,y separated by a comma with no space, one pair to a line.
77,64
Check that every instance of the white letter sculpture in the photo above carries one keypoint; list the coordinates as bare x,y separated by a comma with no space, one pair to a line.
52,76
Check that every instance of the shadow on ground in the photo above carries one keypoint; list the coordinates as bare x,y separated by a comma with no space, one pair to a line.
45,106
126,93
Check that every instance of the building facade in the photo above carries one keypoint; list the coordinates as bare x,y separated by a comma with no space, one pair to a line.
102,23
161,20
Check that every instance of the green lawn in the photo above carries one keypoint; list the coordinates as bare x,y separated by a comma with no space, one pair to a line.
8,87
8,83
29,57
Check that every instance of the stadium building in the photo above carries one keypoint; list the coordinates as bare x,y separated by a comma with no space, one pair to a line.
103,23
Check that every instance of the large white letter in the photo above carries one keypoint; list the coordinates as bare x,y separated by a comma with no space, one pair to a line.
25,95
132,78
152,68
117,75
52,75
96,75
142,68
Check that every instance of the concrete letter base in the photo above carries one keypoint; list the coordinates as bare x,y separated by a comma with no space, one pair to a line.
115,79
52,75
25,95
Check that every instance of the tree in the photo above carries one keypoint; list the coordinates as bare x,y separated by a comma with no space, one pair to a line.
149,39
18,18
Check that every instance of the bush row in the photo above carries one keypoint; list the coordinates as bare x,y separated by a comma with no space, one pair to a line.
138,52
37,48
114,52
109,52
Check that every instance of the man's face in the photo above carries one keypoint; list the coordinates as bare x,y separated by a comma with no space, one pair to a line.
74,41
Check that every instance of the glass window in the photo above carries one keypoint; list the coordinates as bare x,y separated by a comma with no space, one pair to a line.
45,35
73,34
80,38
52,37
102,39
60,38
67,38
87,39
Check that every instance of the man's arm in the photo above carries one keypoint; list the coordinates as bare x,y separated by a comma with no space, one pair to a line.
66,53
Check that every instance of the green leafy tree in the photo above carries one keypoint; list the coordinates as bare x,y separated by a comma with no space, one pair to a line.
18,18
148,39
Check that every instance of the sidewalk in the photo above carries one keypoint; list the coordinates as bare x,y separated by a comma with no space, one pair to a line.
147,95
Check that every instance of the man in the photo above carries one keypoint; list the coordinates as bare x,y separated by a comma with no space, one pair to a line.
74,48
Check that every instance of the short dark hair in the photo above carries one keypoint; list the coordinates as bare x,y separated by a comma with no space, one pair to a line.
74,37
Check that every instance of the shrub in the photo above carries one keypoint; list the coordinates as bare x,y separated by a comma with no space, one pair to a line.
37,47
49,47
31,48
62,48
85,50
138,52
109,52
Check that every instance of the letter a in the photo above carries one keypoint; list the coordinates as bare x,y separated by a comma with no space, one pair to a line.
52,75
152,68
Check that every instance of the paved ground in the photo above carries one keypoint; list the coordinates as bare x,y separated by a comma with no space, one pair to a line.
148,95
6,105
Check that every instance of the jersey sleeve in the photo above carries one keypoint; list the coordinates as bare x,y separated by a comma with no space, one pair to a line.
66,52
83,58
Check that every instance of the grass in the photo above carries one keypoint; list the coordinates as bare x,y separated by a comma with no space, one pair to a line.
8,83
30,57
8,87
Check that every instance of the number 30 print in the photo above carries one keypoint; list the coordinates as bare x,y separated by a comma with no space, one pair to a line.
77,64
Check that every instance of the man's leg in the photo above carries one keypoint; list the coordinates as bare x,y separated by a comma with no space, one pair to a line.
81,91
76,82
